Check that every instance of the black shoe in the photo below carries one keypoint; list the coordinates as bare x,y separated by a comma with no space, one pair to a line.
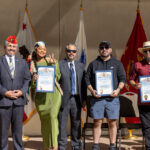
76,148
112,147
95,147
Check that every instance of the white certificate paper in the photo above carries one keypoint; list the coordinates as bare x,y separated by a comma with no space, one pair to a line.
145,89
46,79
104,82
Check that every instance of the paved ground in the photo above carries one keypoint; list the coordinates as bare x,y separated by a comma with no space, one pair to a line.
35,143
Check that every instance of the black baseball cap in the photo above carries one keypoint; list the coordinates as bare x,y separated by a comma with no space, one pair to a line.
104,43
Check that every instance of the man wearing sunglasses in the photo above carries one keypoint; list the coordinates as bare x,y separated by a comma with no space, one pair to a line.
105,106
71,82
142,68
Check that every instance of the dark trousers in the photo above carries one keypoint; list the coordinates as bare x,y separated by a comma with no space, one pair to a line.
145,120
74,109
11,116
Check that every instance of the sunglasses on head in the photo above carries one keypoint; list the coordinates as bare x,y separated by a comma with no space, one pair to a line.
104,47
146,51
69,51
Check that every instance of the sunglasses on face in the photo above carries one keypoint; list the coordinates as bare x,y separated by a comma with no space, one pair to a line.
146,51
69,51
104,47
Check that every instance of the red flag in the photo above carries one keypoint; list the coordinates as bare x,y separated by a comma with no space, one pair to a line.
132,55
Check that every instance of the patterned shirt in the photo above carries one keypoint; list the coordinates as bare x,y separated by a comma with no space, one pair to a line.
141,68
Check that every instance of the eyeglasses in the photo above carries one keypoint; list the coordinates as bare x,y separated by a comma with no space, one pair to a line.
104,47
69,51
146,51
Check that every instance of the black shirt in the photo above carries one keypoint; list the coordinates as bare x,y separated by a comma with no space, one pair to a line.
111,64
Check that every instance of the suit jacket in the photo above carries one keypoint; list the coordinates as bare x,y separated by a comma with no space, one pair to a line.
65,81
19,82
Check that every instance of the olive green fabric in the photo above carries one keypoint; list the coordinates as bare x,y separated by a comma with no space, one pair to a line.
48,105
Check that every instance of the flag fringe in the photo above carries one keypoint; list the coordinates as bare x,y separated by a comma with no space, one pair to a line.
30,116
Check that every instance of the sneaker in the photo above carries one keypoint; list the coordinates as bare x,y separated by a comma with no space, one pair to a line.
95,147
112,147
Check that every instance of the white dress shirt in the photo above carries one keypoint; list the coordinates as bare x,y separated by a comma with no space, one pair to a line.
8,60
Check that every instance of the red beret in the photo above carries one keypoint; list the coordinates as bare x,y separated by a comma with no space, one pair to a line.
12,39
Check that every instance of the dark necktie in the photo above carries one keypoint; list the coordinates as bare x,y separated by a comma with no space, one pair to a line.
11,67
72,79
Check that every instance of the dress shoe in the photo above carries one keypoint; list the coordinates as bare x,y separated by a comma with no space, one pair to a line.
112,147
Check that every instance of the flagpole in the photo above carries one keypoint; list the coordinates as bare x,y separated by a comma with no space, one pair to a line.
25,138
81,5
59,42
26,4
81,9
26,10
138,9
138,5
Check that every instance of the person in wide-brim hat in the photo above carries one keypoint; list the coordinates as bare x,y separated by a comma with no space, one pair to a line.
146,46
141,68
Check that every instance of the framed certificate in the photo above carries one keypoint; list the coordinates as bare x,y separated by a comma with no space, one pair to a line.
145,89
104,82
46,79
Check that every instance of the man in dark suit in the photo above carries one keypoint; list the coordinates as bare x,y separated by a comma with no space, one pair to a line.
74,95
14,82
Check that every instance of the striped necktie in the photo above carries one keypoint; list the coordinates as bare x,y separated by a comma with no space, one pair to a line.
11,67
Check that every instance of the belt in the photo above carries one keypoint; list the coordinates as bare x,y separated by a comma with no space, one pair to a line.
75,95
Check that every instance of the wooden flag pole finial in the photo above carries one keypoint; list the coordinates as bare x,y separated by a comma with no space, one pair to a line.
26,4
81,4
138,5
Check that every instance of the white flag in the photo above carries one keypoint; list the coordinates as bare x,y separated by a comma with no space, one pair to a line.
26,35
81,40
27,39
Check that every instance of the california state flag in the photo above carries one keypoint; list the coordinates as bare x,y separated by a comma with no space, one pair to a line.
26,37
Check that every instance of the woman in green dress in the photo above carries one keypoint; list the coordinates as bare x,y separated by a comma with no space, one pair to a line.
47,104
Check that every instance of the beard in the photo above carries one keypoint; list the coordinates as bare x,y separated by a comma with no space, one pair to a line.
147,59
104,56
